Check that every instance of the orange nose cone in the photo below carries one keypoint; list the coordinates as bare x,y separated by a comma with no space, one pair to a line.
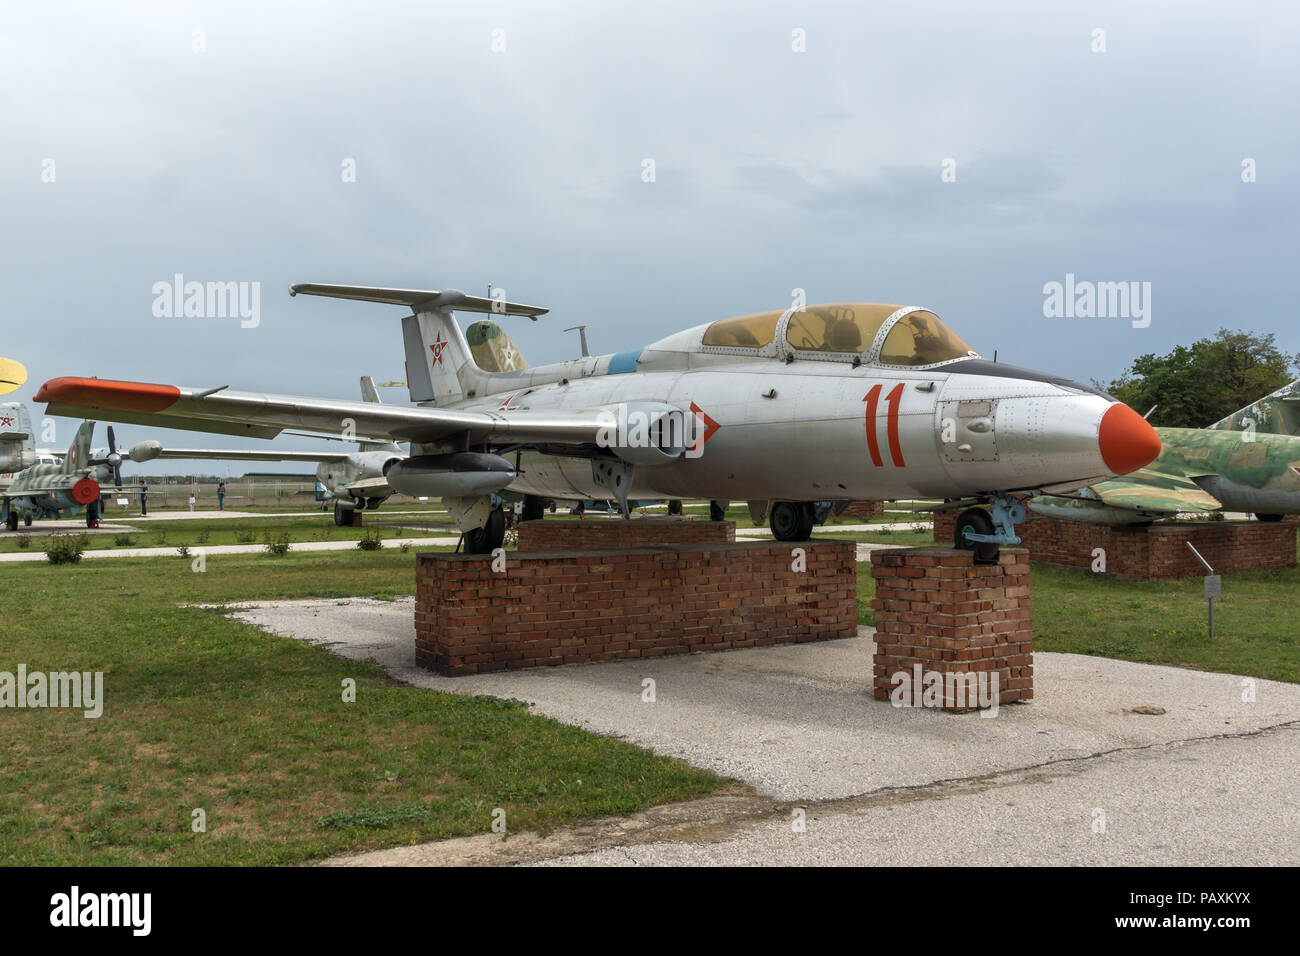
1127,441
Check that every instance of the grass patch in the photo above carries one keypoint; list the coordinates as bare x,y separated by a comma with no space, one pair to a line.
204,712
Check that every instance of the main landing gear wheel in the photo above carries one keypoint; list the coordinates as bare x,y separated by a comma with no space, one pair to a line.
534,508
27,519
1268,517
342,516
11,520
487,539
979,521
674,506
717,511
792,520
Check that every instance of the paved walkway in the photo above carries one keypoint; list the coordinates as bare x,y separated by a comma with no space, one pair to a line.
1112,763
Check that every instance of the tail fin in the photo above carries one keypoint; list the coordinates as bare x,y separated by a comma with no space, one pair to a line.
17,440
492,349
78,456
1275,414
440,368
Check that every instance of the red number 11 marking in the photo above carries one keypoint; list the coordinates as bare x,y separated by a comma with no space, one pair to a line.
894,399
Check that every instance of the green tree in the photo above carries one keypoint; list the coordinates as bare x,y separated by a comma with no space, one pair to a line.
1196,385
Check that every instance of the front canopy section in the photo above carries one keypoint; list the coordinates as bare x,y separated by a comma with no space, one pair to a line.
861,333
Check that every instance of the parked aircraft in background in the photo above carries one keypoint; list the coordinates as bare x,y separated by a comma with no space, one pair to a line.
355,478
1277,413
792,410
12,375
1201,470
47,490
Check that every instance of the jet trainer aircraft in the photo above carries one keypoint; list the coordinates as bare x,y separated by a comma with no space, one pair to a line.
798,408
45,490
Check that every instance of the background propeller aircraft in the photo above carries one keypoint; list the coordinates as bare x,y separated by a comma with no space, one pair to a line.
46,490
355,478
1202,470
792,410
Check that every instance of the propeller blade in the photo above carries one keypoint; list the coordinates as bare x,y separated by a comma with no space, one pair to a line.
112,444
117,475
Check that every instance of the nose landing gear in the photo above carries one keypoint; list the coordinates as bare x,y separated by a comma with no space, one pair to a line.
976,530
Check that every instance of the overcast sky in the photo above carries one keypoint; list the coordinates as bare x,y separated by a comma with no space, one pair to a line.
210,139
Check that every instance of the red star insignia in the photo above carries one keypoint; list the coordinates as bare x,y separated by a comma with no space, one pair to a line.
6,422
437,348
710,426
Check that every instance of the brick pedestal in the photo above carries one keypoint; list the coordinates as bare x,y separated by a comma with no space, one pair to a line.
1152,553
939,613
864,509
587,534
579,606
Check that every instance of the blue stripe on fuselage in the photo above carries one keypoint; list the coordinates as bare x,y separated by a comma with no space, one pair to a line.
621,362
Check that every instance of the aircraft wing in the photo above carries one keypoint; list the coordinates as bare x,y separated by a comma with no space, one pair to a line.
1149,490
239,454
265,416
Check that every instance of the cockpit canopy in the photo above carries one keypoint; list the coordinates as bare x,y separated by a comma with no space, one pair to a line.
911,336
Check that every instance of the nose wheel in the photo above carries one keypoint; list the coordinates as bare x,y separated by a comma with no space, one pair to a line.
977,530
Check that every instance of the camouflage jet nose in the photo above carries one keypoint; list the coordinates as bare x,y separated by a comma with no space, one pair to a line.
1127,442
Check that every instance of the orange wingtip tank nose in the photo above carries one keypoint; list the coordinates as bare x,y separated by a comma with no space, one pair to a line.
108,394
1127,441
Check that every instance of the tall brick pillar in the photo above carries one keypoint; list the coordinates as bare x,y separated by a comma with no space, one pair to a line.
953,624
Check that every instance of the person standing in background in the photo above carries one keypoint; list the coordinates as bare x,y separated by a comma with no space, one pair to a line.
144,498
221,496
191,501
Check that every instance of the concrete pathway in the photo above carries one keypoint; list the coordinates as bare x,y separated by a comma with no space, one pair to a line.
1112,763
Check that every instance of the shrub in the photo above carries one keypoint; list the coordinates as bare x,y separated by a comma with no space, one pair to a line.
183,550
24,540
370,540
65,548
245,537
160,538
204,535
279,545
124,540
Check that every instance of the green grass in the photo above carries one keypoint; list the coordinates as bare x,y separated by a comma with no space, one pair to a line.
1160,622
205,712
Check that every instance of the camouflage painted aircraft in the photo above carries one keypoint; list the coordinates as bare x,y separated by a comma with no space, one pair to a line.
792,410
1201,470
356,479
1276,414
46,490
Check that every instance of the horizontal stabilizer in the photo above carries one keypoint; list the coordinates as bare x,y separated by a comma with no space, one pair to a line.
419,300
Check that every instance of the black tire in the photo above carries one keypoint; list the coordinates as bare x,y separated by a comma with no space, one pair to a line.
491,536
27,519
717,512
1269,517
534,508
674,506
791,520
980,522
11,522
342,516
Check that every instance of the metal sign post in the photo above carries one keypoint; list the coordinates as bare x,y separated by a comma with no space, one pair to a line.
1213,585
